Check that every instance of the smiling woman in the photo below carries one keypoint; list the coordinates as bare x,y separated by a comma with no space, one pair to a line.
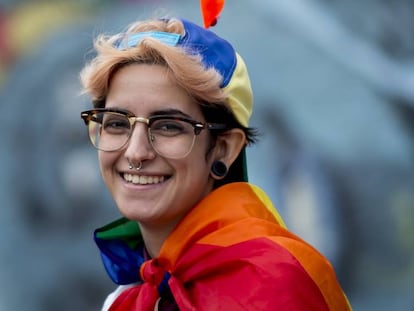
172,103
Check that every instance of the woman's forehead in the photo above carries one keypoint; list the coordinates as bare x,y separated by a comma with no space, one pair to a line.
143,88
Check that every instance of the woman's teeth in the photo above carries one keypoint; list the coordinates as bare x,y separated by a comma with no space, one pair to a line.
143,180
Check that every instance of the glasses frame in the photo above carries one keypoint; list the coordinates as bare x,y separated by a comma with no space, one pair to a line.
133,119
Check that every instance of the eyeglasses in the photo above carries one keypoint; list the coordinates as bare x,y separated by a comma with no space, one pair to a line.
170,136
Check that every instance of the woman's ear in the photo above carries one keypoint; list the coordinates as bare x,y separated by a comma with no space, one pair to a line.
228,146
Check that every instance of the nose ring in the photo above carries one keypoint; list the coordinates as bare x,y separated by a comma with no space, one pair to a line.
132,166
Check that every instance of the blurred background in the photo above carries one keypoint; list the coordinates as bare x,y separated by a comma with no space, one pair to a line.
334,100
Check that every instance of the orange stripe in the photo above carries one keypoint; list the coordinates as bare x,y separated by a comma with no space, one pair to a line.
215,211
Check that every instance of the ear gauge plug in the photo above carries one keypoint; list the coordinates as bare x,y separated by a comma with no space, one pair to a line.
219,169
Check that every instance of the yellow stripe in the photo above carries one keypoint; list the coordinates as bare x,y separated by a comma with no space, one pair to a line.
268,203
240,94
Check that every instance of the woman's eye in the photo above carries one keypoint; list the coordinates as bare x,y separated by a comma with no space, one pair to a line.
115,124
168,127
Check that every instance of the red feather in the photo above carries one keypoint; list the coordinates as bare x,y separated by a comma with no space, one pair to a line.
210,10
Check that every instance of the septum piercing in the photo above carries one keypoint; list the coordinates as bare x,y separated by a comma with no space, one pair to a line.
131,166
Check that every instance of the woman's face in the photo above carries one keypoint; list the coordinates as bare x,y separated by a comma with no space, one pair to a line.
179,184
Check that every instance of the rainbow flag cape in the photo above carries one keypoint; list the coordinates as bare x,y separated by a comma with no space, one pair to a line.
231,252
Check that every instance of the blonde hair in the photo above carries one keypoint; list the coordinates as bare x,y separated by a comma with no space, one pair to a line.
186,67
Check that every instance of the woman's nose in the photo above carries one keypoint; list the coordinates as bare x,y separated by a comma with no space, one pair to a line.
138,147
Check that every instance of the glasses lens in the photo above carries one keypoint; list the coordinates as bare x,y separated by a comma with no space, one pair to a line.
109,131
171,138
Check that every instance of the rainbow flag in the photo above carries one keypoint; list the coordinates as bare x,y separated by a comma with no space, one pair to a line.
231,252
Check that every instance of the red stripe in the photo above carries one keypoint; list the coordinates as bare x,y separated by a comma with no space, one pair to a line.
252,275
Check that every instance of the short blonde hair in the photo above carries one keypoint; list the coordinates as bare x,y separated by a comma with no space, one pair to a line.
203,84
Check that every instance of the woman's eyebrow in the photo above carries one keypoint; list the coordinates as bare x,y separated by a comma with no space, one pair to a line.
172,112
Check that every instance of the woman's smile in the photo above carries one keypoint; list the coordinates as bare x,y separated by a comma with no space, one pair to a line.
143,179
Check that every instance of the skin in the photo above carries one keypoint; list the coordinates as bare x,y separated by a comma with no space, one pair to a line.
157,207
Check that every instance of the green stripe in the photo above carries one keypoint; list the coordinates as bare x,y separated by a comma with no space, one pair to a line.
121,229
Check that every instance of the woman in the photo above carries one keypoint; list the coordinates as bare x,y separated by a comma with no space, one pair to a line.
172,106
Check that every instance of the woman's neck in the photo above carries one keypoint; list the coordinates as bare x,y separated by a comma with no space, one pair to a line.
154,237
